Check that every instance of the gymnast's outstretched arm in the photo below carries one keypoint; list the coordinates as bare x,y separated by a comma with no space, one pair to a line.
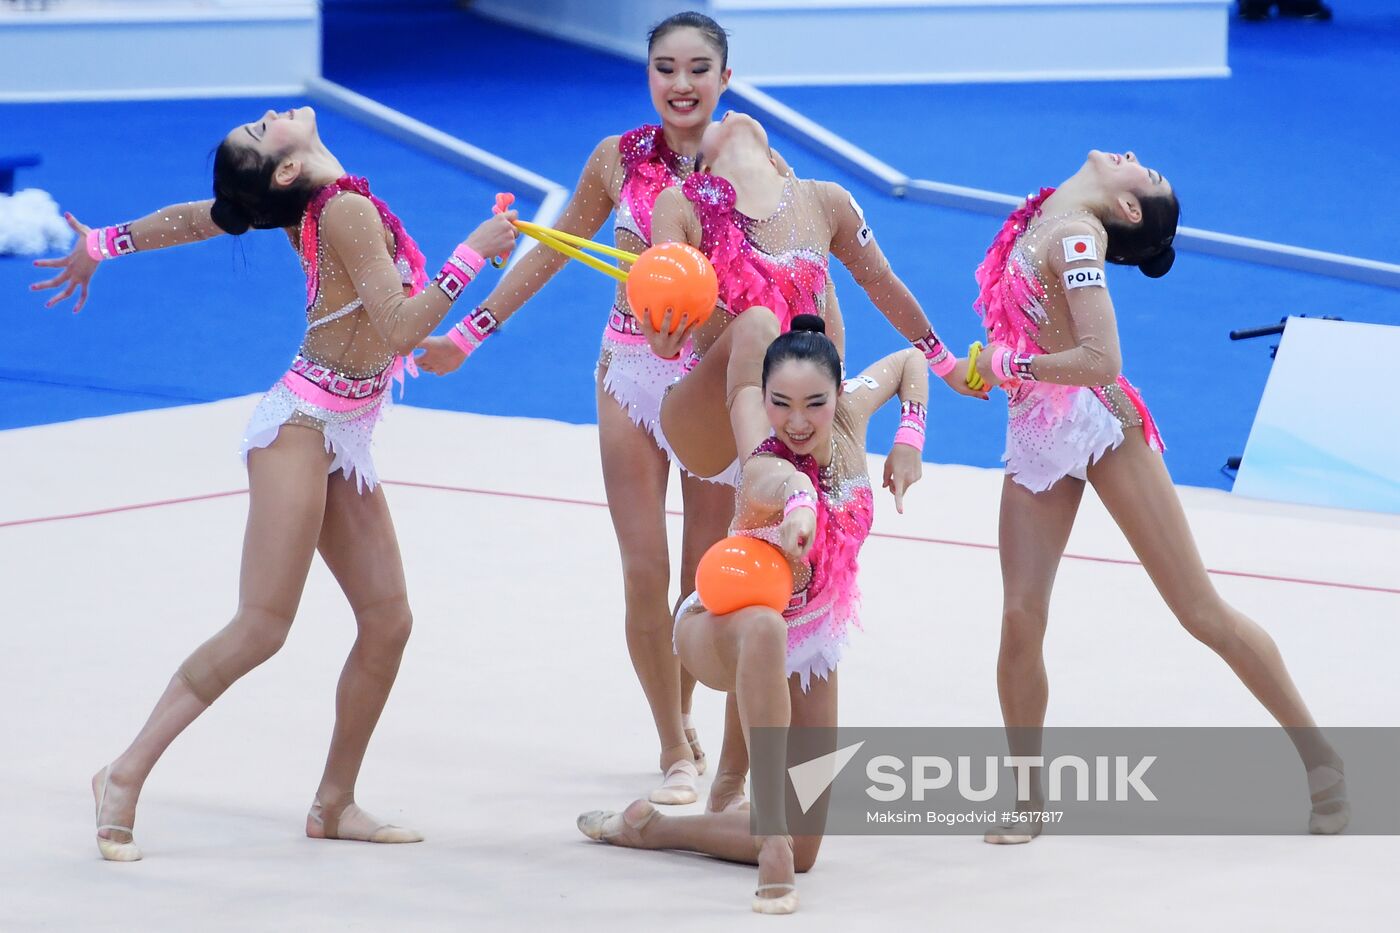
174,225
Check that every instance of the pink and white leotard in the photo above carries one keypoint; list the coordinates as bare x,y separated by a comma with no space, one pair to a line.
1053,429
825,602
636,377
778,262
343,406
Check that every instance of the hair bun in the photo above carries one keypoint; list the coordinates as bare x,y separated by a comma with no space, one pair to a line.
229,217
1158,265
809,323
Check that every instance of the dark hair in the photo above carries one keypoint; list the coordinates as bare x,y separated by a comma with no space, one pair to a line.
1148,243
245,195
711,30
806,341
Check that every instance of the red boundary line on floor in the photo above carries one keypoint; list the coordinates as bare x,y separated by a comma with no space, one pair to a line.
533,497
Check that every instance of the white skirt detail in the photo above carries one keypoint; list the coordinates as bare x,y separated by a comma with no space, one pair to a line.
349,435
1057,431
637,379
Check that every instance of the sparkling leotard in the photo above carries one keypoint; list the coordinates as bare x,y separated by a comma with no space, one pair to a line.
1079,406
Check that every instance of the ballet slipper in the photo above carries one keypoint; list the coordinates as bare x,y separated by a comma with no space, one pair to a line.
719,802
112,850
1331,811
351,823
736,803
610,826
770,903
678,787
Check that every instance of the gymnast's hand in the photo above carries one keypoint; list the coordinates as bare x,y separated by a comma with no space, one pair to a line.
957,379
439,356
77,267
667,342
494,236
985,368
903,468
797,531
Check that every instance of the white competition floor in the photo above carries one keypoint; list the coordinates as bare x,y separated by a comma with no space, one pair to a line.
517,708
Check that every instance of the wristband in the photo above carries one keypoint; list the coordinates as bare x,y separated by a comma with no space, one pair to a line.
461,267
802,499
1021,368
110,242
912,419
940,361
470,332
1001,363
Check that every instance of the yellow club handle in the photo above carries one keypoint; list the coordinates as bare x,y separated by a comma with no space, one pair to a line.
592,262
975,382
573,240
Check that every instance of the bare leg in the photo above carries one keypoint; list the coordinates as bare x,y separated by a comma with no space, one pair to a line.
727,787
695,414
635,472
1136,489
744,653
359,546
815,709
1032,536
287,488
709,508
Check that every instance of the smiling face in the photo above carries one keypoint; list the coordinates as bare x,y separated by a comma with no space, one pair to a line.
686,75
800,399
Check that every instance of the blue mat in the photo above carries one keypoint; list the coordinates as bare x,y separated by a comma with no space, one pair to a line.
223,318
481,84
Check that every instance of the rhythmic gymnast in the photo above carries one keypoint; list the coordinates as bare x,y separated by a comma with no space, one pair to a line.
1073,418
687,71
770,236
312,483
805,488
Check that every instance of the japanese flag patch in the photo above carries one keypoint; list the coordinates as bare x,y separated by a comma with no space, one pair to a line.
1080,247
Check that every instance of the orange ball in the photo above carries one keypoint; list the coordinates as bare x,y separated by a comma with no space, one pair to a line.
675,276
739,572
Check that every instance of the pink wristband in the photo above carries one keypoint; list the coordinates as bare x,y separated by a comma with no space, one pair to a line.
469,256
109,242
1001,363
940,361
461,267
912,419
802,499
470,332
